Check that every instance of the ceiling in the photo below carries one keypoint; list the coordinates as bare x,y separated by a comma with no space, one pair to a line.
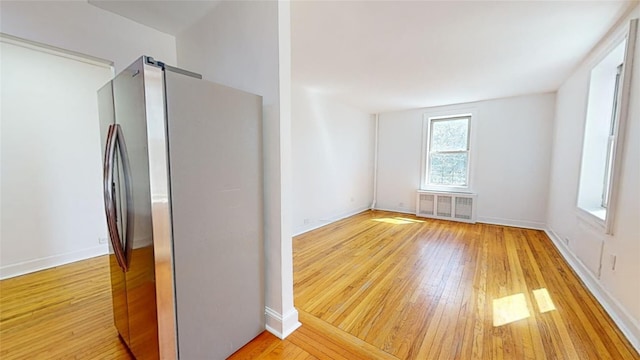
392,55
170,17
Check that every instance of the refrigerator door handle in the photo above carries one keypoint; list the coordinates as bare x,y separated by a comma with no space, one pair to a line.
115,140
128,231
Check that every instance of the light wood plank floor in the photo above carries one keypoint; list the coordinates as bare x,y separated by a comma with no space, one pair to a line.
378,285
60,313
425,289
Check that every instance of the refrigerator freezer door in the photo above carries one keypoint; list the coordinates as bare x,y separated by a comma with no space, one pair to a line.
118,285
215,143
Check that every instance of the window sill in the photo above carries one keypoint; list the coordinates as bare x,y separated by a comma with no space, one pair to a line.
447,190
594,216
600,213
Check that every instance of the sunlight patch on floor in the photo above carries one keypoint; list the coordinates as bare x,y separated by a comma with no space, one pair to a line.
544,300
398,220
509,309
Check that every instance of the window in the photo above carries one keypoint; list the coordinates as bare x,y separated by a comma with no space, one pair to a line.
447,152
599,134
607,112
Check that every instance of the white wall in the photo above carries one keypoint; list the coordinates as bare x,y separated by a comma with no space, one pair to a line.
333,147
511,140
246,45
80,27
51,209
619,289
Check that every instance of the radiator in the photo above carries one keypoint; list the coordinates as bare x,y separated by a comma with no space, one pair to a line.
446,205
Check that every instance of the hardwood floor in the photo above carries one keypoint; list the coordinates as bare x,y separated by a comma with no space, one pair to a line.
378,285
425,289
60,313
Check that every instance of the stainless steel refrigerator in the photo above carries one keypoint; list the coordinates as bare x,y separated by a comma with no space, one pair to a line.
184,206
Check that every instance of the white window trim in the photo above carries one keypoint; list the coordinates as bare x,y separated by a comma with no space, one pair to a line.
451,112
619,133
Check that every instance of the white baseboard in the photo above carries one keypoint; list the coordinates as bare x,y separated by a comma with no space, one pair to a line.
629,327
398,210
25,267
323,222
281,325
482,219
511,222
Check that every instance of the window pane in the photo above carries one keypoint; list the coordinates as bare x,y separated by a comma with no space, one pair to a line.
448,169
448,135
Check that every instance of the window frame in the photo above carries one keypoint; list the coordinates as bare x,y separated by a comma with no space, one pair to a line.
628,35
611,141
428,120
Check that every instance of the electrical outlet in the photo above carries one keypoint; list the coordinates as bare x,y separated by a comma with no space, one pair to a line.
102,240
612,262
401,205
306,221
566,240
